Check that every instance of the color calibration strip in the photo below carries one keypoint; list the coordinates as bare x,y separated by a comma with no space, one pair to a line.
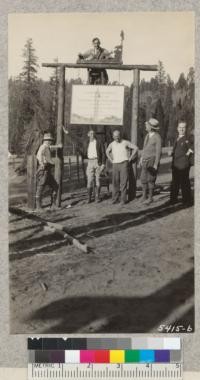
106,350
105,356
135,358
136,343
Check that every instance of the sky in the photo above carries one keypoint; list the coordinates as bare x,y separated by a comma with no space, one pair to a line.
149,37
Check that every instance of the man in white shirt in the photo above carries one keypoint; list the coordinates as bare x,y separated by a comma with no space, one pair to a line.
96,163
122,152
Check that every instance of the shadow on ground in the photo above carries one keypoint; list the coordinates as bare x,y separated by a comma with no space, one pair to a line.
123,220
109,224
118,314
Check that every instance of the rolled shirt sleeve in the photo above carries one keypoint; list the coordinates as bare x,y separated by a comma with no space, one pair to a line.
88,53
132,146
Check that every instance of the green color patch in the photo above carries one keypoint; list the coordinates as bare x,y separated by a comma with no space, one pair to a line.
132,356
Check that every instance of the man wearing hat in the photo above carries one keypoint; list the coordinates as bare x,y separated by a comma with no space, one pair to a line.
150,160
44,176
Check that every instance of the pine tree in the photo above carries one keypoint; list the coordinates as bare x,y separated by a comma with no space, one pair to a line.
172,127
159,115
25,129
191,86
16,124
182,83
154,85
191,99
161,79
29,72
29,78
168,107
188,102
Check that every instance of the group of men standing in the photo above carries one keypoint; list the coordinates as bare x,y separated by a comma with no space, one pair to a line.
121,153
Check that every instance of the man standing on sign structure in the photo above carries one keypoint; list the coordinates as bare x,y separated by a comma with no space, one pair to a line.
150,160
97,53
44,176
118,152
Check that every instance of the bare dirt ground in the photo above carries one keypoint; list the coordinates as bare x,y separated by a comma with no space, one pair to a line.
137,276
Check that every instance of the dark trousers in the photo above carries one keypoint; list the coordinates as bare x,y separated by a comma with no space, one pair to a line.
180,180
44,178
120,180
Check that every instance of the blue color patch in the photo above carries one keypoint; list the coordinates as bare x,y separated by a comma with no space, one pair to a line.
147,356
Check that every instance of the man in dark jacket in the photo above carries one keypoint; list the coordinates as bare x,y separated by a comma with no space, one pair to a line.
95,152
182,151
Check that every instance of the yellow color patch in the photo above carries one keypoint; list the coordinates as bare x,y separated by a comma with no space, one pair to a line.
116,356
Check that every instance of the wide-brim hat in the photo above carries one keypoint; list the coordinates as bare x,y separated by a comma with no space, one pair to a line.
154,123
48,137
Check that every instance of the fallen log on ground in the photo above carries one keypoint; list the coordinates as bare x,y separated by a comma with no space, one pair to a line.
52,227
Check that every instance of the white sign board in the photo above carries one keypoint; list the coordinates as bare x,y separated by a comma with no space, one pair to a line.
95,104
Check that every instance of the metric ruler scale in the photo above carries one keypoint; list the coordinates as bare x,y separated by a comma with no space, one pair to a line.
107,358
105,371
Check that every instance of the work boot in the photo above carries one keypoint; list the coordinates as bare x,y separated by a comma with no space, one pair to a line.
150,199
144,193
38,201
89,195
98,195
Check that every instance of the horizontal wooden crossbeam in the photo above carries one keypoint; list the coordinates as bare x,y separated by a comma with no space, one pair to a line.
102,65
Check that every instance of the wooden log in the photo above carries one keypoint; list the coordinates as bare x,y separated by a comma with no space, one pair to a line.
134,130
31,180
60,137
103,65
52,227
56,228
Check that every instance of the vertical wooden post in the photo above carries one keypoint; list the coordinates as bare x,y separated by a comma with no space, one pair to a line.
69,168
60,136
134,129
31,180
84,172
77,167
